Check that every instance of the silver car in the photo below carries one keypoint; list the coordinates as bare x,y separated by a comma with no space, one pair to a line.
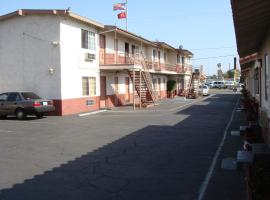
22,104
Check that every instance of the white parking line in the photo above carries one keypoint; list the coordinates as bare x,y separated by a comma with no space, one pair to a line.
5,131
214,161
177,108
91,113
34,122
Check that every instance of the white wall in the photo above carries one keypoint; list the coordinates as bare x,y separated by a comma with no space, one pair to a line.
110,42
110,82
73,63
27,53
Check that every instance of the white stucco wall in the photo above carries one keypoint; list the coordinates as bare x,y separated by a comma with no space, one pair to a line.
27,53
110,42
73,64
110,82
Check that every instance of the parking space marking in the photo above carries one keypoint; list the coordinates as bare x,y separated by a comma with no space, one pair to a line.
33,122
5,131
193,102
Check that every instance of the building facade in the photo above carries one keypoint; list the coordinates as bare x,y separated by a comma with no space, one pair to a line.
251,21
83,65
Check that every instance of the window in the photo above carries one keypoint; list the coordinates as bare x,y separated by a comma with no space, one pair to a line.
3,97
266,75
88,40
154,54
30,95
89,86
165,57
134,50
178,60
256,81
14,97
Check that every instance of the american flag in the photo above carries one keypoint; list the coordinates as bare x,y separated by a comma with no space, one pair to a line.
119,6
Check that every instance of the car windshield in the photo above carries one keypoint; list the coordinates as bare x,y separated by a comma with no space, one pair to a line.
204,87
30,95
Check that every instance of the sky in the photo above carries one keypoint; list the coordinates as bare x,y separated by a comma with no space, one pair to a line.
203,27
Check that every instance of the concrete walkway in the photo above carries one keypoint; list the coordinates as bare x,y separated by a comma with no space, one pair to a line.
164,154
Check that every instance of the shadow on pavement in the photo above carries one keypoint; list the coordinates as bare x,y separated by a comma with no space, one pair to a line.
156,162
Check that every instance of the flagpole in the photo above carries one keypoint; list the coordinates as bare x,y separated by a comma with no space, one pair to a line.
126,14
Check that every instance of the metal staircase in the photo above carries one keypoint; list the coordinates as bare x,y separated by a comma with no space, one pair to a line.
193,85
143,82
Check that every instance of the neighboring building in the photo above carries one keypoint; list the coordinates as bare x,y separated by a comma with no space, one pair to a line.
252,28
83,65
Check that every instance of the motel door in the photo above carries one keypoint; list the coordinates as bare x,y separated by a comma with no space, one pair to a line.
103,93
102,44
127,95
159,88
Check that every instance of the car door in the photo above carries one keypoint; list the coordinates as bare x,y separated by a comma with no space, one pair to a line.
12,102
3,99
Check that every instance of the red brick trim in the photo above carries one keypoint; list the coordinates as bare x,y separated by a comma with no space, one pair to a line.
74,106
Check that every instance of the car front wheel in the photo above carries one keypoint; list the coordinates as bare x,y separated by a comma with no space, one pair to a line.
3,116
20,114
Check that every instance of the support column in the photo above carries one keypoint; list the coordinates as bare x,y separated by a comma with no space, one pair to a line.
140,88
134,80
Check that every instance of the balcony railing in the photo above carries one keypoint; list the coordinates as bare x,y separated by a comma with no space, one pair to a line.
122,59
171,67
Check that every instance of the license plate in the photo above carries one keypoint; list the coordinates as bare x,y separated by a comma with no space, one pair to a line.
44,103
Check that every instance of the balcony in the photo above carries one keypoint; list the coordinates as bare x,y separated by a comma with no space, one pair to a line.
171,67
128,61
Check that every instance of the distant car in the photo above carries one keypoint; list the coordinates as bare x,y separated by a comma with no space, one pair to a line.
204,90
217,84
22,104
229,84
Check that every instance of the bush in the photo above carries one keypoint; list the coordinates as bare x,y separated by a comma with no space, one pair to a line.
171,85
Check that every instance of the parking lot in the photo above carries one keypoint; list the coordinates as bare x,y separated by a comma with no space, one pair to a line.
119,154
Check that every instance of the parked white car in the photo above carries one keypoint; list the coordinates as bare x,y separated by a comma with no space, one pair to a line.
204,90
229,84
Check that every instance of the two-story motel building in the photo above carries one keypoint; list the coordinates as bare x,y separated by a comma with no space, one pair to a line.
83,65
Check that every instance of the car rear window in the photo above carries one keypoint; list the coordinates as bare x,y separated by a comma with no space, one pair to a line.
30,95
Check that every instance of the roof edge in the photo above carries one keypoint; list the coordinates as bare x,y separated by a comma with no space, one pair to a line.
59,12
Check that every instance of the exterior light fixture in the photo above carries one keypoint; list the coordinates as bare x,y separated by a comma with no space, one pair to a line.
51,71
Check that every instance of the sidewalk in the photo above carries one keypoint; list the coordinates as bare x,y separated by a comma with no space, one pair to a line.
229,184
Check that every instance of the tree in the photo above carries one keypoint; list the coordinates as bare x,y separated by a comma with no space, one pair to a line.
229,74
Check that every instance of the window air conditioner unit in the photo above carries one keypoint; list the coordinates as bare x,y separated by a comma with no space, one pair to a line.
89,57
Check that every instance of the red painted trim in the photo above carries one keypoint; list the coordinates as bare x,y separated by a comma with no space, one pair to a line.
74,106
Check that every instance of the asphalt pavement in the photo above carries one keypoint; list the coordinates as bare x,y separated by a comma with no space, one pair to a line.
161,153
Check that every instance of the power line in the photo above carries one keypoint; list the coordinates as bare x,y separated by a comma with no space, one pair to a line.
212,48
232,55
